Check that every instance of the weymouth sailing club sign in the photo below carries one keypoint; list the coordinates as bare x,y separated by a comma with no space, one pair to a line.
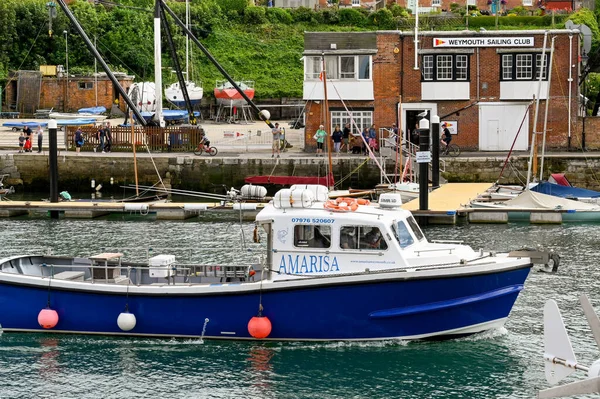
483,42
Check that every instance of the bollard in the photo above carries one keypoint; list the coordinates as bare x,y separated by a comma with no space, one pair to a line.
423,166
53,161
435,149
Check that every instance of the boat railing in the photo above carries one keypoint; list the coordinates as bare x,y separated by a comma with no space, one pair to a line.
447,241
419,251
114,272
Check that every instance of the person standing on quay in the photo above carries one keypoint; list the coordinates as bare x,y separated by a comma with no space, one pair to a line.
320,137
21,142
336,136
276,140
40,137
28,132
346,137
107,138
100,137
78,140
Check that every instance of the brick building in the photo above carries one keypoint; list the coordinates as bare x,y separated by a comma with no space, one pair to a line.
27,91
481,83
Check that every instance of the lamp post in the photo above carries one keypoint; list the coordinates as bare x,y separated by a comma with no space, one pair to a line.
66,106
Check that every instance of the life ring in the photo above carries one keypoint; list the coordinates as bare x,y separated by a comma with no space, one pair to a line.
344,204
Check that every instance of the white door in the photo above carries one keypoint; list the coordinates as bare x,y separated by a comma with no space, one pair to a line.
499,125
493,134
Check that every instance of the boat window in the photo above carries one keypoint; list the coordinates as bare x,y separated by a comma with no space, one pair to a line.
403,234
362,237
312,236
415,228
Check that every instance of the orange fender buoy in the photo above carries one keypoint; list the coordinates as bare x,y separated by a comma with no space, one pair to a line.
345,204
259,327
48,318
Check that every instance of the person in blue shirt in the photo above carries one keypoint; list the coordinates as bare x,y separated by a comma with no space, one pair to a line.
336,136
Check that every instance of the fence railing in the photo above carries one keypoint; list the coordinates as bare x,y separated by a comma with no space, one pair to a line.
177,139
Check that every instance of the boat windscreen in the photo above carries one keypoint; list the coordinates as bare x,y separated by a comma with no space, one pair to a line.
415,228
403,234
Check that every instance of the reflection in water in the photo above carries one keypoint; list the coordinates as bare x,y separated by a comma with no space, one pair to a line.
49,366
507,363
260,368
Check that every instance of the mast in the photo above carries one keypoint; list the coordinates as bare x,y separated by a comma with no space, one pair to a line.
98,57
180,78
158,116
327,124
547,101
215,63
533,155
187,41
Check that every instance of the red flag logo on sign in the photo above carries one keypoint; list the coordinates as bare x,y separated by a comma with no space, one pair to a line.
439,42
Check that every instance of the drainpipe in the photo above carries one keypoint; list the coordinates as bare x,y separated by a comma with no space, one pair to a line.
416,35
400,126
478,74
570,88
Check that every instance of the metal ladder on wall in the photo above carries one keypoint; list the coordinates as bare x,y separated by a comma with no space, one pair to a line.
387,152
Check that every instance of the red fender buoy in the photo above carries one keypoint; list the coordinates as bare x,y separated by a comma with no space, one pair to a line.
259,327
48,318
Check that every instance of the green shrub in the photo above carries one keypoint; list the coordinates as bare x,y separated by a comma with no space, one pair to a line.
459,9
519,10
303,14
383,19
398,11
255,16
278,15
236,5
330,16
352,17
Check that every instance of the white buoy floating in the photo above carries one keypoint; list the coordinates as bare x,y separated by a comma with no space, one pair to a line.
126,321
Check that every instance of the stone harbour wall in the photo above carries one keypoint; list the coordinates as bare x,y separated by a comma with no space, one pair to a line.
29,172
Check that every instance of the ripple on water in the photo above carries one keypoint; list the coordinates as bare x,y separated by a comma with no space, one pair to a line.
502,363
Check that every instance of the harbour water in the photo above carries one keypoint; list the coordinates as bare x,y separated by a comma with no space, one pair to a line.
505,363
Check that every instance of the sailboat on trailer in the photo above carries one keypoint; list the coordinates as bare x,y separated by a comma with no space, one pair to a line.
173,92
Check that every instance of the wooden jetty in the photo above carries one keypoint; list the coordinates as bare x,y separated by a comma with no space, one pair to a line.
94,209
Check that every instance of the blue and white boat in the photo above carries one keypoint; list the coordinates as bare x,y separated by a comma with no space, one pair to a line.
331,270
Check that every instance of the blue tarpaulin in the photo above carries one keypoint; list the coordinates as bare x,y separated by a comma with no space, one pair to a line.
92,110
564,191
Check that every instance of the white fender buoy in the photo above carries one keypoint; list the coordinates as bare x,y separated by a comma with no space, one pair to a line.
126,321
48,318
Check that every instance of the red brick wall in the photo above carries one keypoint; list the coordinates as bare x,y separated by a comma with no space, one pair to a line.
53,93
394,75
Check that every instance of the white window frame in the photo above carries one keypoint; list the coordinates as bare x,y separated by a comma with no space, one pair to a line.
444,67
524,67
507,67
436,3
528,3
361,118
461,67
355,3
334,66
347,67
427,65
471,2
538,66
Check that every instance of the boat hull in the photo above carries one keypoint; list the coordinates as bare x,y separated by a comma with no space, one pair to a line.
174,94
389,306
